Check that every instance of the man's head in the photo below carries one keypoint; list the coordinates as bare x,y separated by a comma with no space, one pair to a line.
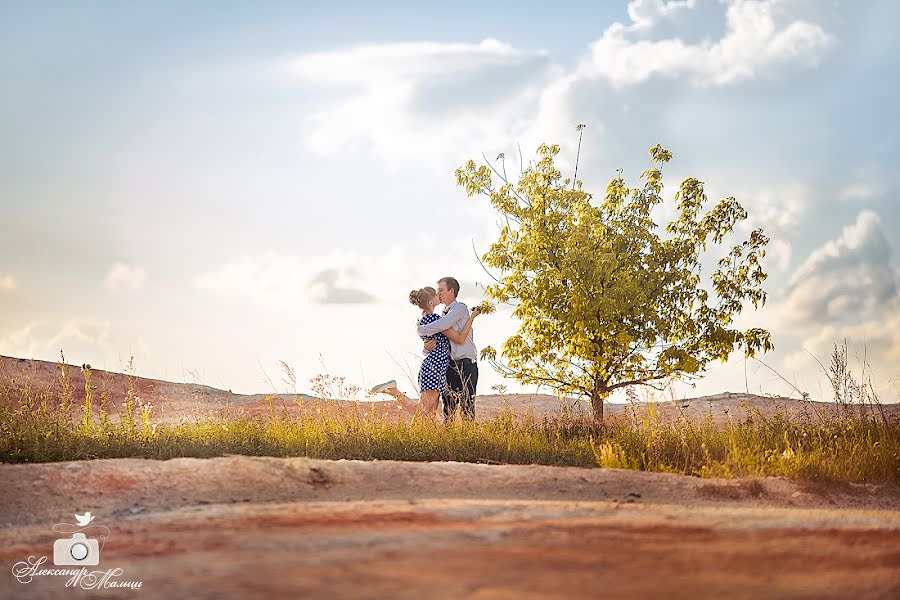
447,289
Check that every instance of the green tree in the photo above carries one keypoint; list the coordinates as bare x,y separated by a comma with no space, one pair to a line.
606,299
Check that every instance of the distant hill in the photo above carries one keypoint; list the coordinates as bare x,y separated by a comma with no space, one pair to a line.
173,402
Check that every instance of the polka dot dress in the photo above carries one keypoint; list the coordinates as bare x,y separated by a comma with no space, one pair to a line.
433,372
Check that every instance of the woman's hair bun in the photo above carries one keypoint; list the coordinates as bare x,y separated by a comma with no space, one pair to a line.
422,297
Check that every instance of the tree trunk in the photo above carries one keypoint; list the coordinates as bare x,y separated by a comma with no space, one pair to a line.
597,401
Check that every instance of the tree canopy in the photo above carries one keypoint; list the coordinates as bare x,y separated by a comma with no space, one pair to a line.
605,297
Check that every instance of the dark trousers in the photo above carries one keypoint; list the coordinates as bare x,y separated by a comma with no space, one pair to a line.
462,379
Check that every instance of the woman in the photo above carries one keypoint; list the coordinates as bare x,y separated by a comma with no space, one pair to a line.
433,372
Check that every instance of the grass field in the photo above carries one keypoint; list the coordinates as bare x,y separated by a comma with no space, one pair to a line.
41,425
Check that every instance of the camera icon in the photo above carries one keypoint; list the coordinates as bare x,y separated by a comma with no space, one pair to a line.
77,550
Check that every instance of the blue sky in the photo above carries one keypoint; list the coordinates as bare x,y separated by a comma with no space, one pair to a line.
214,187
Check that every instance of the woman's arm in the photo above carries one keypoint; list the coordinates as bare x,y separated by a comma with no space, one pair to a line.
460,338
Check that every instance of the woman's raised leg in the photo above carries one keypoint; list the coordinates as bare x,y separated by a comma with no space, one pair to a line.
402,399
427,404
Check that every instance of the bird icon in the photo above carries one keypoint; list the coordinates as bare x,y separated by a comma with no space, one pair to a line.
84,519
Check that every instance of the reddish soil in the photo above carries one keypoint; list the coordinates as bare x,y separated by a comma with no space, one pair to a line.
239,527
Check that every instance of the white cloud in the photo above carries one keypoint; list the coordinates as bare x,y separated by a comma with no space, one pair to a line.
845,289
857,191
276,280
42,339
338,286
860,242
21,342
427,103
436,104
29,341
7,283
91,340
777,210
646,13
845,279
873,348
84,332
753,44
875,340
377,64
124,276
267,279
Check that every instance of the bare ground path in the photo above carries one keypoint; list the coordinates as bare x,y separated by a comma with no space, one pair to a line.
244,527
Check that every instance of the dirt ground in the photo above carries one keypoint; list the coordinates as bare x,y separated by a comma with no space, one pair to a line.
244,527
251,527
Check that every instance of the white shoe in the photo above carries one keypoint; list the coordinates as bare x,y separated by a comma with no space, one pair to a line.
383,387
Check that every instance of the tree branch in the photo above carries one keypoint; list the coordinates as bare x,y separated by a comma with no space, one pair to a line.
505,180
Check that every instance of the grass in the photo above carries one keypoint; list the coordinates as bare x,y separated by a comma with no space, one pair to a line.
41,425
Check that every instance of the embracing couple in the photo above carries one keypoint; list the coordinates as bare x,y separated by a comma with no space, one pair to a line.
450,368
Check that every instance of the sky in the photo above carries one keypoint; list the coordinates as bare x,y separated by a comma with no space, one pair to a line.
214,188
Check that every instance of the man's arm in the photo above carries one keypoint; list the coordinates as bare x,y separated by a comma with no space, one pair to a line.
456,314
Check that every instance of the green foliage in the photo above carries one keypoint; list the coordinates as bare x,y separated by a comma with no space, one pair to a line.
604,298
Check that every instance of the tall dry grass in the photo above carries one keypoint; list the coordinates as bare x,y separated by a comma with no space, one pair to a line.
40,425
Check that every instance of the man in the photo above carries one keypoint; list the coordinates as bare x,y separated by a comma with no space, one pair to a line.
462,373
